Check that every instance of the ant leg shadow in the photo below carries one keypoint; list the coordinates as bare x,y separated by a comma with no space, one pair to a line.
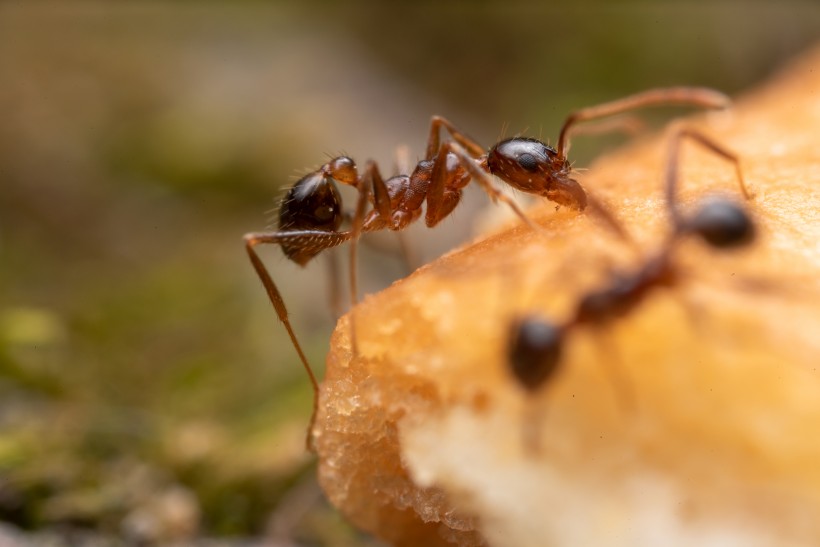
605,216
532,421
402,249
610,360
696,312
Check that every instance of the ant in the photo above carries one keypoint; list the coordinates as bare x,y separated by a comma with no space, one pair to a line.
310,216
535,345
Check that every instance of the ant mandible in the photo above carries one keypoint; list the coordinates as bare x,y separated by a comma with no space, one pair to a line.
535,345
310,216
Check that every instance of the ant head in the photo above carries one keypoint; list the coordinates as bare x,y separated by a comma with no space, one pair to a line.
722,224
534,351
313,203
526,164
342,169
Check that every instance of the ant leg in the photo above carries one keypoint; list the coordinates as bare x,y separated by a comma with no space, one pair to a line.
443,176
614,370
403,166
400,249
695,96
674,160
628,125
603,212
474,149
484,180
312,239
333,289
371,179
315,240
532,422
251,240
356,229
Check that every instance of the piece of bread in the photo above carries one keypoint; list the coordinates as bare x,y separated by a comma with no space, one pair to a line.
422,437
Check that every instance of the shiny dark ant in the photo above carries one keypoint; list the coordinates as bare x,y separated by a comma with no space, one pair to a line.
535,345
311,215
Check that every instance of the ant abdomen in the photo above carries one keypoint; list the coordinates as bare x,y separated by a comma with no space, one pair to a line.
722,224
313,203
534,351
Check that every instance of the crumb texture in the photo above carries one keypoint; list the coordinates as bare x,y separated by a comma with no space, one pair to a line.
422,437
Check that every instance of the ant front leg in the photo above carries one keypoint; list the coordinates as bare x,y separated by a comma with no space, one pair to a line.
603,213
674,160
371,181
483,178
694,96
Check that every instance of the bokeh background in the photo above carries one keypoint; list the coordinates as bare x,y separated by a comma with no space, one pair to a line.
147,391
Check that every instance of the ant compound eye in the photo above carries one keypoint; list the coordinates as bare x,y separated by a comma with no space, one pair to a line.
528,162
534,351
722,224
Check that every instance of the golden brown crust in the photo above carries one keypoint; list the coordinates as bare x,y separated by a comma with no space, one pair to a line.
422,436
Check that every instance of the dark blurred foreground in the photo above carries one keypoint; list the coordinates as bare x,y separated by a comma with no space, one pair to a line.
147,392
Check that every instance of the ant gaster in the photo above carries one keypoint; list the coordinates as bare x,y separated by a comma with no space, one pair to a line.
310,216
535,345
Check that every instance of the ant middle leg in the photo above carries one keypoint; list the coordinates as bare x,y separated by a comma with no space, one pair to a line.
694,96
333,287
479,175
370,181
402,165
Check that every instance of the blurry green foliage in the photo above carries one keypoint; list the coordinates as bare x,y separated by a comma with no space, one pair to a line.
139,357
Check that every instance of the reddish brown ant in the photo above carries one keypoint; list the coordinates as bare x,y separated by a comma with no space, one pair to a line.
535,345
310,216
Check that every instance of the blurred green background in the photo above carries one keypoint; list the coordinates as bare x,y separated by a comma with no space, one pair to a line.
147,390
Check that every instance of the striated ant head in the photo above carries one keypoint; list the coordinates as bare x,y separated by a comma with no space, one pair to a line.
534,351
722,224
